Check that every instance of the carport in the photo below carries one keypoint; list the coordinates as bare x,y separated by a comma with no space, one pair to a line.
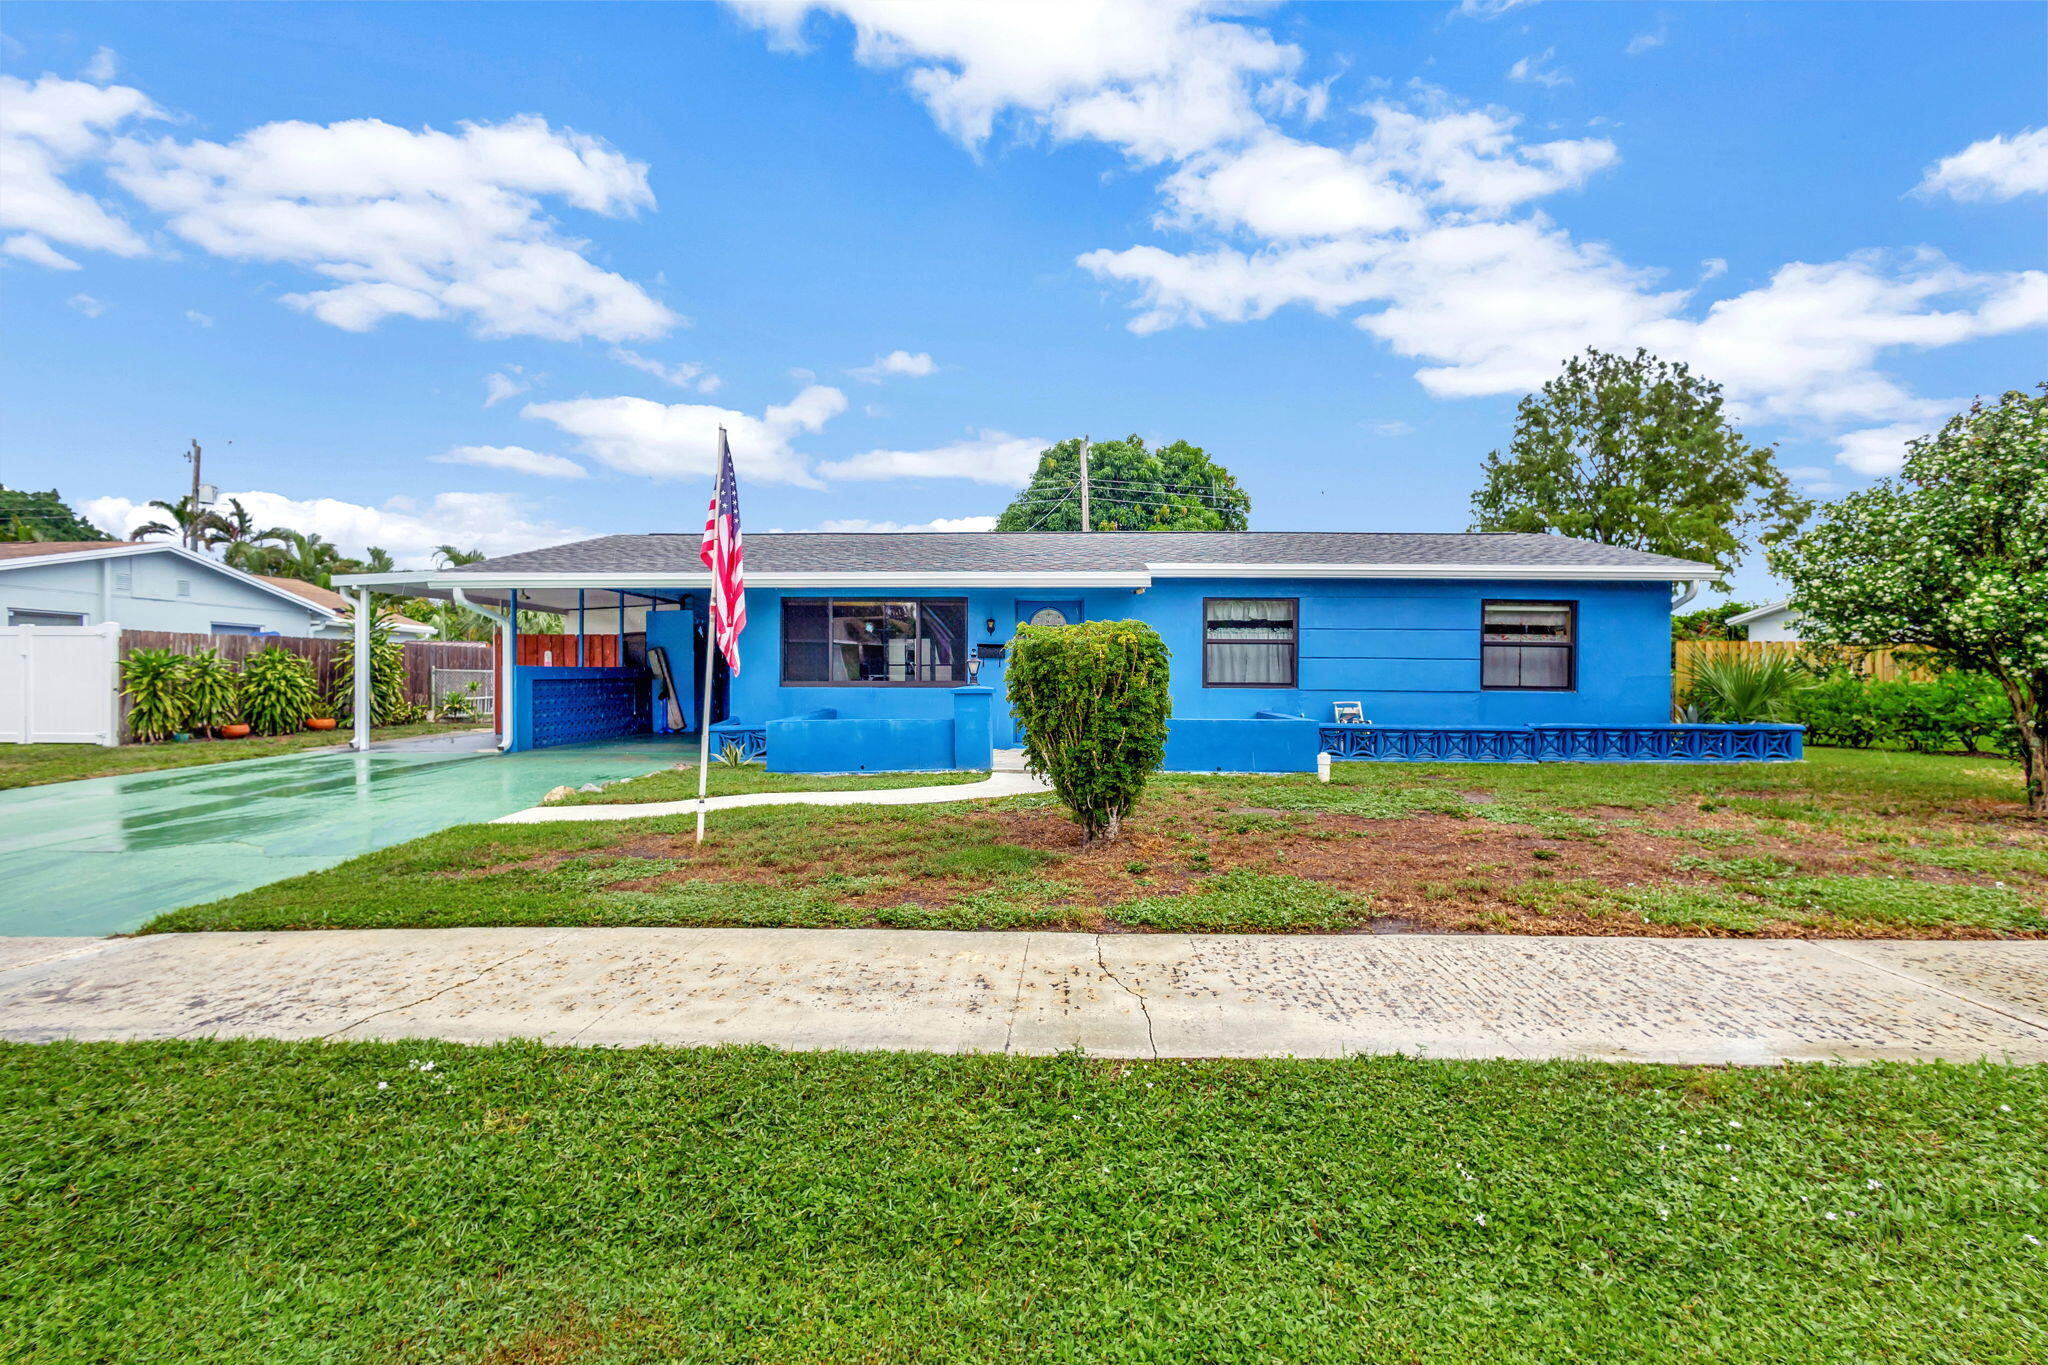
629,661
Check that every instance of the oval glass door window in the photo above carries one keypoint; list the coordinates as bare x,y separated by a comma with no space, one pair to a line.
1049,616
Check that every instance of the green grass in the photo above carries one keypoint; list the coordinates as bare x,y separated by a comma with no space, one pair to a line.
1180,868
33,765
267,1202
680,784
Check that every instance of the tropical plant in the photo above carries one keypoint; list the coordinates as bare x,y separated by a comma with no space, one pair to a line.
153,680
277,691
1737,689
1953,557
1177,487
189,520
1636,451
233,527
26,515
387,675
732,755
1092,700
448,556
460,704
210,691
308,558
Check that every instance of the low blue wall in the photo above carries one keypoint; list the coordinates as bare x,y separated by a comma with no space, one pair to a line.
823,742
1268,745
1565,743
552,706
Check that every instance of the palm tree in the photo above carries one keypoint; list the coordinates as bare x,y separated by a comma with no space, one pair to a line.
449,556
236,527
188,521
309,558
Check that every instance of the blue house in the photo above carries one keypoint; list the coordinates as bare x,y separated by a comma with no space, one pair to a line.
887,650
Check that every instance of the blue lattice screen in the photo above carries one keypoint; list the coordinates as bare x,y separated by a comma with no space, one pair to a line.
579,709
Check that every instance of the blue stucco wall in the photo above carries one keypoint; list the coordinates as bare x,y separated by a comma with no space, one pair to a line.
1405,650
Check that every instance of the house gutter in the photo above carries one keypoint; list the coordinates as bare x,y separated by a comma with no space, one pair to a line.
507,649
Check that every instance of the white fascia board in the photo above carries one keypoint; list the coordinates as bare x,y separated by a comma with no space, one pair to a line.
630,582
1546,572
1759,613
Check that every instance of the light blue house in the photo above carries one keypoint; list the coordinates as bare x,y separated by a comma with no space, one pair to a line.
872,651
151,585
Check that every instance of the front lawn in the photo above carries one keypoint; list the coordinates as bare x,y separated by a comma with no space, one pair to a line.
1850,843
680,784
278,1203
32,765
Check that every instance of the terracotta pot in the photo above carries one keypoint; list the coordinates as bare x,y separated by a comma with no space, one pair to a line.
234,732
320,722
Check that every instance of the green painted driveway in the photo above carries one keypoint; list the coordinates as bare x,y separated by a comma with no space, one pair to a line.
103,855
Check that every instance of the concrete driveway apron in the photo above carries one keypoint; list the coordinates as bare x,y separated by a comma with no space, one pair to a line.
101,856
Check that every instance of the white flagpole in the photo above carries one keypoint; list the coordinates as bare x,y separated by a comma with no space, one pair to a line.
710,653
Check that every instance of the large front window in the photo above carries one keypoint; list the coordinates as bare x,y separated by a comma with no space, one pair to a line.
829,640
1248,641
1528,646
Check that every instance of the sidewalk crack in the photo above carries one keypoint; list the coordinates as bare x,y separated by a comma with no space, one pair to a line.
1017,1000
436,995
2002,1010
1151,1040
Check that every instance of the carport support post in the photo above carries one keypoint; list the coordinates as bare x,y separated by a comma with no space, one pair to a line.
360,690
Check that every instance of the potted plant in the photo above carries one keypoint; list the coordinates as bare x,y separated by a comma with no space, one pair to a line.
210,692
320,717
153,680
235,729
277,691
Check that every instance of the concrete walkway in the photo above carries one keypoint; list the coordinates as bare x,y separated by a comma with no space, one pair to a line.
1128,995
997,784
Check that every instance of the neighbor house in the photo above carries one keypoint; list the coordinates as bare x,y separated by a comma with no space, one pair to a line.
887,650
151,585
1779,621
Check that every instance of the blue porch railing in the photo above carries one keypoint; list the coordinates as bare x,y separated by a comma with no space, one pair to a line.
1564,743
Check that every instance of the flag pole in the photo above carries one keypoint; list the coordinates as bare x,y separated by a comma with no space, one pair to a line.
710,653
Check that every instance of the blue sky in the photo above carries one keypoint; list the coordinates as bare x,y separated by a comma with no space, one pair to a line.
493,274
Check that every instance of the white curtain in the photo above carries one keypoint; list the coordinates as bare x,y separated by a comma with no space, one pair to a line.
1249,641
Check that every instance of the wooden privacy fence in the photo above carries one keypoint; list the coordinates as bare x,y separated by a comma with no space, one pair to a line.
422,657
1898,662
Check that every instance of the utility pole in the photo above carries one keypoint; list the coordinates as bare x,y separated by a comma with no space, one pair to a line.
191,527
1084,485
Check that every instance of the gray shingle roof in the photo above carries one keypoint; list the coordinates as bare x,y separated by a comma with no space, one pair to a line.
1053,552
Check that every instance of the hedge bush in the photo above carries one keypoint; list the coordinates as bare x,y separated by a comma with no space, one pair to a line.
1093,702
1955,711
277,692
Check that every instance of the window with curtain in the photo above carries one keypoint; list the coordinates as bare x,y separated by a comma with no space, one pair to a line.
1248,641
1529,646
838,640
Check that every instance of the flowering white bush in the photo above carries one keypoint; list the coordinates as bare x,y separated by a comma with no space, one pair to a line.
1952,556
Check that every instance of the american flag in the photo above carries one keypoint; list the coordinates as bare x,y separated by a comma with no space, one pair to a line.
725,558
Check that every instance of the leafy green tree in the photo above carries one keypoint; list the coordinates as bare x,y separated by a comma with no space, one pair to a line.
1710,623
42,516
1093,703
1177,487
1637,452
1952,557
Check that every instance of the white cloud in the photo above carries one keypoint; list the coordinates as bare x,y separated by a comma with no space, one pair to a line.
1396,428
104,66
1816,481
992,457
1877,451
197,318
1471,158
1997,168
682,376
900,364
1489,9
47,129
1278,186
87,304
496,523
680,440
421,224
1158,78
502,384
1540,69
517,459
30,247
857,524
1643,42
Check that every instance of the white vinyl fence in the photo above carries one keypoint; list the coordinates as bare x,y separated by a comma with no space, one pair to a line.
60,684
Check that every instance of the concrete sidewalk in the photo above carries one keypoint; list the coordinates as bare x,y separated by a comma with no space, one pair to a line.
1126,995
995,785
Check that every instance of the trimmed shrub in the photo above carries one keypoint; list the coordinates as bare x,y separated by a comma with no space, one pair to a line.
1955,711
278,691
153,680
1093,703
